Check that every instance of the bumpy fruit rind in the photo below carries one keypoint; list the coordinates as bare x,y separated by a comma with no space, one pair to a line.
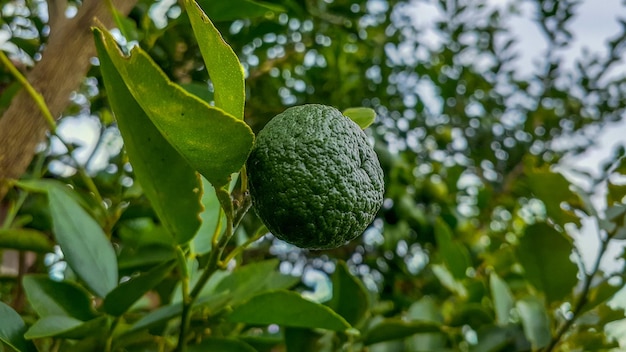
314,179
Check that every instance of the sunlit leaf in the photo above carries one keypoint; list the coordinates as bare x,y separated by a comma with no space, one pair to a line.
213,142
223,65
86,248
361,116
287,308
175,196
237,9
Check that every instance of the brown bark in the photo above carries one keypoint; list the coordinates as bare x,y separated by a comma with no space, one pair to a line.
64,64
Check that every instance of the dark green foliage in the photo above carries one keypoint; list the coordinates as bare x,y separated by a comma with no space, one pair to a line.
483,242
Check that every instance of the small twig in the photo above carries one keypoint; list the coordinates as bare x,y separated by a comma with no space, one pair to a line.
582,298
211,267
235,252
38,98
41,104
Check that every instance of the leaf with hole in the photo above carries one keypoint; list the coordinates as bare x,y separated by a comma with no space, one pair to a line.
174,196
212,141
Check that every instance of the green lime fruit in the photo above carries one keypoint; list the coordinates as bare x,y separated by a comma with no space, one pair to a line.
314,179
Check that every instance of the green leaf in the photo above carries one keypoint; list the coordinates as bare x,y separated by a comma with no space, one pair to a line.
350,298
393,329
210,305
303,340
85,246
535,321
361,116
148,256
237,9
425,309
210,216
12,329
175,196
49,297
553,189
118,301
448,281
254,278
502,299
454,255
221,344
501,338
213,142
287,308
223,65
66,327
545,255
25,240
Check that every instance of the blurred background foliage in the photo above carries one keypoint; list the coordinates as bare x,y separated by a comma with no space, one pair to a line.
480,231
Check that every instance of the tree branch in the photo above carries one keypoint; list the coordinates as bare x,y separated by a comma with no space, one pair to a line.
64,64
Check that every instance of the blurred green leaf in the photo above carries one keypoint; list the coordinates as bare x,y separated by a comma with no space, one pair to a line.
502,297
501,338
303,340
287,308
48,297
118,301
553,189
213,142
544,253
12,329
454,254
535,321
223,65
254,278
175,196
393,329
448,281
64,326
221,344
85,247
350,298
25,240
363,117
